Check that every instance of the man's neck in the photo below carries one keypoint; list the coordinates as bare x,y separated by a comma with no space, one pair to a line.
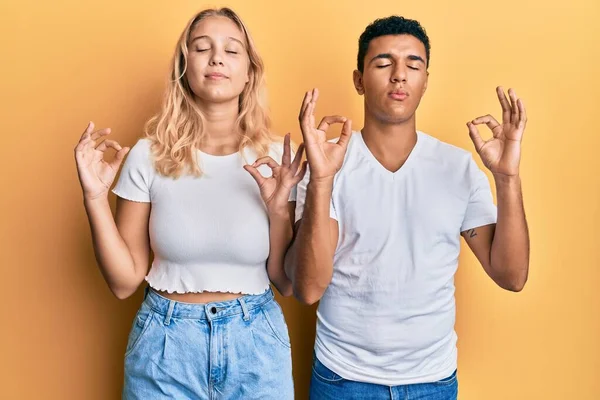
390,143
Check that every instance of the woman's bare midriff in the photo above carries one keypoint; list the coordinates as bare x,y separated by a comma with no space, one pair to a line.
200,298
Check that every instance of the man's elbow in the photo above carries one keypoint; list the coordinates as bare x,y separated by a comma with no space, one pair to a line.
517,285
308,296
309,287
514,282
307,299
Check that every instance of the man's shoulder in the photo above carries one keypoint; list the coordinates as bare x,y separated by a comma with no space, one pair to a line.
439,150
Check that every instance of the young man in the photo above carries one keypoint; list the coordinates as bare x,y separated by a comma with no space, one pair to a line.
382,211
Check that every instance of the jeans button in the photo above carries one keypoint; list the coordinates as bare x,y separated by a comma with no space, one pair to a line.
213,310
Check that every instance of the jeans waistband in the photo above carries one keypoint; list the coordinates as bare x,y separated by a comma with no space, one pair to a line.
206,311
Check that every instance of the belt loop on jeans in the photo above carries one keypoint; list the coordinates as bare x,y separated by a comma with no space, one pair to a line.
169,312
244,308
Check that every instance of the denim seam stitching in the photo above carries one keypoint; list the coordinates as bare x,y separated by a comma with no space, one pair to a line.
339,379
144,329
270,323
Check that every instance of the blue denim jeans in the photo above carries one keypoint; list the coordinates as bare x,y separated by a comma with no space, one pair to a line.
327,385
237,349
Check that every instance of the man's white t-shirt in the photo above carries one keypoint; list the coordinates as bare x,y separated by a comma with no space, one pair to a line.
388,314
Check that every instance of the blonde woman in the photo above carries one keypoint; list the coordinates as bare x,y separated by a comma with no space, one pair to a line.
209,327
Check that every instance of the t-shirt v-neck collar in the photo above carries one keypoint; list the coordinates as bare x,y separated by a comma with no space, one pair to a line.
391,175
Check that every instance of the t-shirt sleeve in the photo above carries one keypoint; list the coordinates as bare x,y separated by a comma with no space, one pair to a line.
301,199
481,209
136,174
294,191
293,194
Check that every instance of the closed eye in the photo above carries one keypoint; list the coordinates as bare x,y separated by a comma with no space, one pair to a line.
201,50
383,66
231,52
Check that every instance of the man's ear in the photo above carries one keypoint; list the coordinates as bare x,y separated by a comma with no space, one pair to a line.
358,82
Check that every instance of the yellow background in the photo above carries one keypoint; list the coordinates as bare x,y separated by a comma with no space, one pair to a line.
62,334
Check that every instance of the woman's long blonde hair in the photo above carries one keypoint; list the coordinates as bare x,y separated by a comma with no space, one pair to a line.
177,131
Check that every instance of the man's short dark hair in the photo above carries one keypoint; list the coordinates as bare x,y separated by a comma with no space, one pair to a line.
393,25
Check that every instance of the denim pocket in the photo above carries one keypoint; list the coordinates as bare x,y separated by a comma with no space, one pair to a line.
186,339
139,327
323,373
276,322
447,381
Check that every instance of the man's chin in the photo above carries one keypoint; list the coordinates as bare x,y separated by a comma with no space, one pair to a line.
396,116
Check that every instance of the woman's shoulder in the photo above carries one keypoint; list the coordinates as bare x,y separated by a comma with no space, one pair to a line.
141,152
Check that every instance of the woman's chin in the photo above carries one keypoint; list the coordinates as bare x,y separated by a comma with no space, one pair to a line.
216,97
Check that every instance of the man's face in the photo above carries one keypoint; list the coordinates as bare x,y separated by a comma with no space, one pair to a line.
394,77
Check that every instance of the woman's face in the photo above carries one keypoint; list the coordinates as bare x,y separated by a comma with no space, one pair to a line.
218,63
